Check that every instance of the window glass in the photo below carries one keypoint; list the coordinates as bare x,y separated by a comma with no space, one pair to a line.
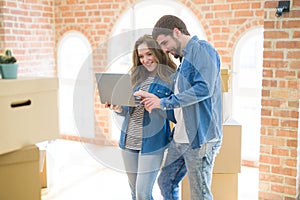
75,79
247,84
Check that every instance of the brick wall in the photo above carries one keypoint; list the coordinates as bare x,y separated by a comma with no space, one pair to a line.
1,27
28,29
279,170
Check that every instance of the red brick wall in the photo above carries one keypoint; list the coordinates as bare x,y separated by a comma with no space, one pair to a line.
1,28
28,29
279,172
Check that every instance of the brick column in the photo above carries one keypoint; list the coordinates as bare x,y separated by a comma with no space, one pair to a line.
279,149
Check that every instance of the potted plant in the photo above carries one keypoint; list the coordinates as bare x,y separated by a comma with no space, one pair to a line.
8,66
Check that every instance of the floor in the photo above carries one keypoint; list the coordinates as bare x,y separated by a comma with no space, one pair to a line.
82,171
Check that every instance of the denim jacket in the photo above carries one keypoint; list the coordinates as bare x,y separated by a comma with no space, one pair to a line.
156,125
199,86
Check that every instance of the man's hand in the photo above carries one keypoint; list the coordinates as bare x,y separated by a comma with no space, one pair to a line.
149,100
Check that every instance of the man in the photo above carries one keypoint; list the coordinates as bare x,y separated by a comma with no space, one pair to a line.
197,106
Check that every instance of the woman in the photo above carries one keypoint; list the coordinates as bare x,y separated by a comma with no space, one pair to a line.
144,135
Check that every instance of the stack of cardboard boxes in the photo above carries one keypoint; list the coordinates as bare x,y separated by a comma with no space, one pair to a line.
228,162
29,115
227,165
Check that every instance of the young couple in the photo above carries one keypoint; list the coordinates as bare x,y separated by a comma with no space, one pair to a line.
191,94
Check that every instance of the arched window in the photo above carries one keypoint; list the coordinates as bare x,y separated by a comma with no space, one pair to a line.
140,19
247,85
75,80
136,21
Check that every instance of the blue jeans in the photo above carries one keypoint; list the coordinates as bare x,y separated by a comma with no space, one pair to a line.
142,171
199,165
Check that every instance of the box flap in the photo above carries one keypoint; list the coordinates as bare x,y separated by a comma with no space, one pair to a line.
231,121
29,153
27,85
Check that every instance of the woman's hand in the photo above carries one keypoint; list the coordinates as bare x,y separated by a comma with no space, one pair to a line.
116,108
143,94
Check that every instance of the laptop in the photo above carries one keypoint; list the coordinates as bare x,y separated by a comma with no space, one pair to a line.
116,89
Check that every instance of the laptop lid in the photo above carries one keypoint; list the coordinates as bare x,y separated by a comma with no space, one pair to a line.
115,89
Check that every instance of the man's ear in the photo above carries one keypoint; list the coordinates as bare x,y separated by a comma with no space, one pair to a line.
176,33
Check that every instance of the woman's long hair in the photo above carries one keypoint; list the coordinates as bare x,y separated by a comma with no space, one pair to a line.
165,67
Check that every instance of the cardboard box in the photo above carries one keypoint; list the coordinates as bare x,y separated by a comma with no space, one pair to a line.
43,168
29,112
227,106
228,161
20,177
185,188
224,79
224,187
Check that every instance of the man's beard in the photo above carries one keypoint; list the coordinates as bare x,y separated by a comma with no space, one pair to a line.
177,53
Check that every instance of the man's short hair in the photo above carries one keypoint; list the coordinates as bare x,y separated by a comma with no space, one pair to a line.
166,24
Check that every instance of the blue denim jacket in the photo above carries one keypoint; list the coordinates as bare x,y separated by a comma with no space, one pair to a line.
199,85
156,125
